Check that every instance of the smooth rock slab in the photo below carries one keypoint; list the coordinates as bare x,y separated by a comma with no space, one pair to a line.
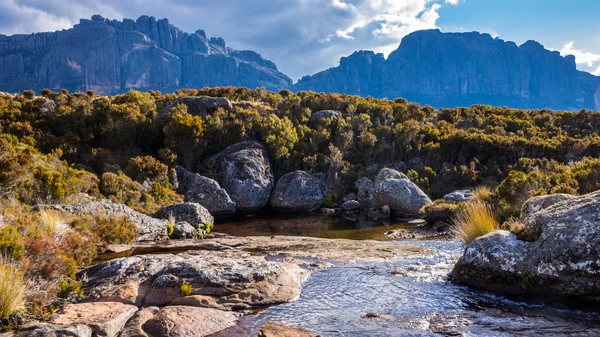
181,321
134,328
104,318
279,330
49,330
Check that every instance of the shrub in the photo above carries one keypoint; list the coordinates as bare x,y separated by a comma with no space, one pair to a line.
482,193
186,289
10,242
107,230
477,219
439,211
12,289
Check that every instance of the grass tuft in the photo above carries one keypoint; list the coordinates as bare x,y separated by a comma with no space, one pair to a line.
477,219
12,288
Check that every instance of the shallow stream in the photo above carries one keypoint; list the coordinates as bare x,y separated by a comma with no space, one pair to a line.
410,296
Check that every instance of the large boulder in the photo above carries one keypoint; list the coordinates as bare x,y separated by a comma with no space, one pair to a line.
364,186
189,212
150,229
181,321
560,258
536,204
244,170
233,279
298,191
394,189
198,105
206,192
457,197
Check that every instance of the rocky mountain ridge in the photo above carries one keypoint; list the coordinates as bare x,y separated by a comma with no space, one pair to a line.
110,56
462,69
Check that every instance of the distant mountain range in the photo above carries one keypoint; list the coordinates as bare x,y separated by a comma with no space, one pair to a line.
430,67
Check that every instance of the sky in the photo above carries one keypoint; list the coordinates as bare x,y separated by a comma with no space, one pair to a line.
306,36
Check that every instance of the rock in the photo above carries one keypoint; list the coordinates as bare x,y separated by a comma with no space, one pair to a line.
134,328
327,211
244,170
234,278
536,204
206,192
180,321
49,330
183,230
441,226
104,318
386,211
562,258
271,329
316,117
48,107
364,186
349,196
112,57
298,191
351,205
462,69
189,212
150,229
394,189
198,105
457,197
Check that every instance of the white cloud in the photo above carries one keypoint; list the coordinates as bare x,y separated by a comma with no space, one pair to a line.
583,58
453,2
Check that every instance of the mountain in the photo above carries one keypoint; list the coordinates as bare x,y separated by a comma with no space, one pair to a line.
110,57
462,69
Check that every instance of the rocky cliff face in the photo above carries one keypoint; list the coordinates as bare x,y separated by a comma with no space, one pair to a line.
461,69
111,57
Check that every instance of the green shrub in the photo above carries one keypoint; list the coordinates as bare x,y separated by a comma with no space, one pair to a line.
440,211
10,242
186,288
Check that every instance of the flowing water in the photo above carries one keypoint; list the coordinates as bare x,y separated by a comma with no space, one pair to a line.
410,296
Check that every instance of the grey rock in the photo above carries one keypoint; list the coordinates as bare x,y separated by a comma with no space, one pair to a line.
457,197
365,197
316,117
183,230
462,69
48,107
244,171
386,211
349,196
111,57
150,229
50,330
198,106
536,204
350,205
394,189
206,192
298,191
190,212
327,211
561,259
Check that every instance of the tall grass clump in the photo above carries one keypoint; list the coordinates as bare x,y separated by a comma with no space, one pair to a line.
475,220
12,288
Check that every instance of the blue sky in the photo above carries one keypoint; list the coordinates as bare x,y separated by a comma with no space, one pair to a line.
306,36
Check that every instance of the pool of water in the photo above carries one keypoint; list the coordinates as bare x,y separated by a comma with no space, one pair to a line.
410,296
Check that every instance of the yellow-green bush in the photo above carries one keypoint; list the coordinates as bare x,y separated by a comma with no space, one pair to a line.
475,220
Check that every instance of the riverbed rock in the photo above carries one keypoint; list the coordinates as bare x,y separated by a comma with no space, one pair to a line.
181,321
206,192
104,318
150,229
536,204
244,170
198,105
394,189
50,330
234,278
561,257
271,329
190,212
298,191
134,327
183,230
364,196
457,197
350,206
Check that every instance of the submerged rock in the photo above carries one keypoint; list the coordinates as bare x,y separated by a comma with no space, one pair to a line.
244,170
279,330
394,189
150,229
457,197
206,192
298,191
561,259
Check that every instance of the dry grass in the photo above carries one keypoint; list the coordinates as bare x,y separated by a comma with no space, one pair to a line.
482,194
477,219
12,288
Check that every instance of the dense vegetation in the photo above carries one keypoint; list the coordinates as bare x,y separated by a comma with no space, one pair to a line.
122,148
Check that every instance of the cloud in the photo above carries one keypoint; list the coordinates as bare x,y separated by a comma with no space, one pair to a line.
583,58
300,36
